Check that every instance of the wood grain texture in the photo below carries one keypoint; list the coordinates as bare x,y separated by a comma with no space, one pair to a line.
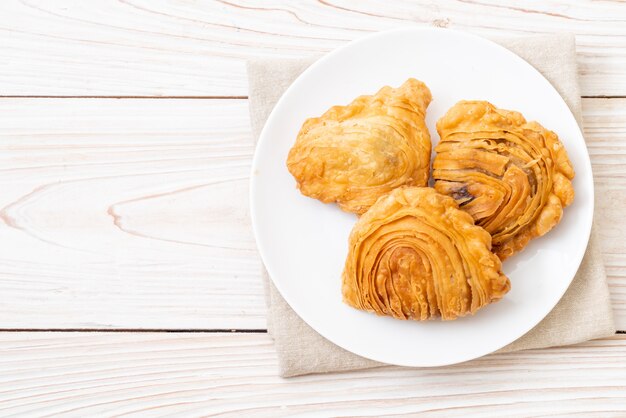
605,132
133,214
199,48
119,374
120,213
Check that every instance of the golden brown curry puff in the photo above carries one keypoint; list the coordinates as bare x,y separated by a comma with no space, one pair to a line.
354,154
512,176
415,255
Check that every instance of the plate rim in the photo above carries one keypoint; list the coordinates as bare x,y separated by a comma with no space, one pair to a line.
263,138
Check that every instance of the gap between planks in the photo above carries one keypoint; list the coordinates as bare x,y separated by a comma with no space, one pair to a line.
142,330
160,330
205,97
127,97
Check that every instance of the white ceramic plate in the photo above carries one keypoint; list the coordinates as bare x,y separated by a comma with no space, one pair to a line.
303,242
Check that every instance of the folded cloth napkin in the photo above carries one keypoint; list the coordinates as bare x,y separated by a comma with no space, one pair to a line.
584,312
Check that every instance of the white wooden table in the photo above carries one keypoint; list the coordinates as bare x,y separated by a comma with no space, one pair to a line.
129,278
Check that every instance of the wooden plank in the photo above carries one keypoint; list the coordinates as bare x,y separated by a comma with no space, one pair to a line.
134,213
86,374
165,48
605,129
126,213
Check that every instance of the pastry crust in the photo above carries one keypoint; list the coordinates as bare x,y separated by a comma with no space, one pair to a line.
415,255
353,154
512,176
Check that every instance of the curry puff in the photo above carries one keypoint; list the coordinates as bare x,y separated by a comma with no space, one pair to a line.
512,176
353,154
415,255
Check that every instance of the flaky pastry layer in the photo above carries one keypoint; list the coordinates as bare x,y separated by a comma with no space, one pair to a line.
512,176
415,255
353,154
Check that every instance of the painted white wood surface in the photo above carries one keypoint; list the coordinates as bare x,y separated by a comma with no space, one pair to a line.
234,375
133,213
199,48
126,213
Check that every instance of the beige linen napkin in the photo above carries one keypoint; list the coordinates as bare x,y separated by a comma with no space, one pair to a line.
583,313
